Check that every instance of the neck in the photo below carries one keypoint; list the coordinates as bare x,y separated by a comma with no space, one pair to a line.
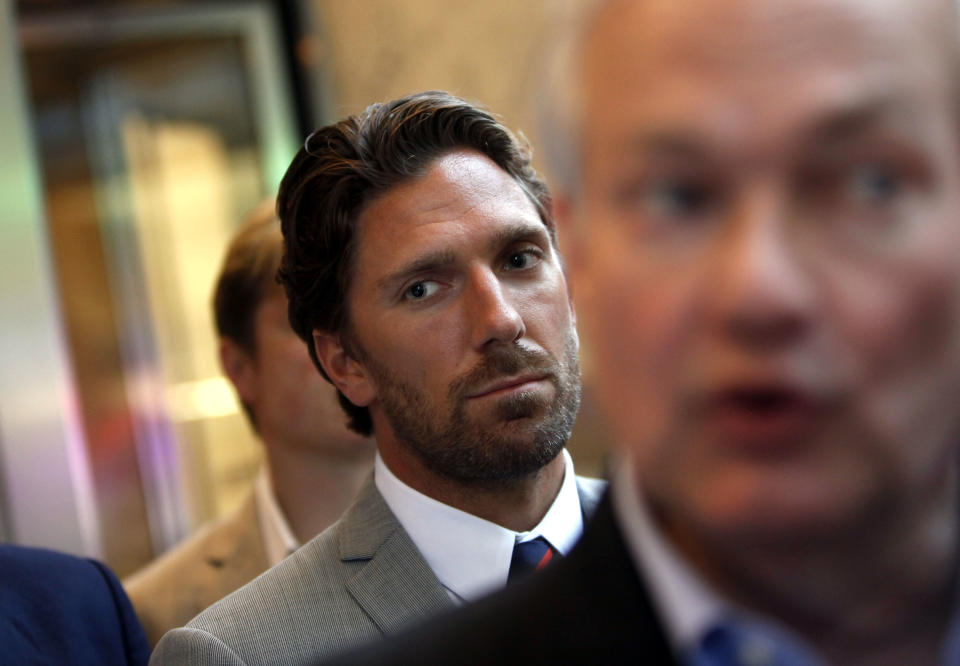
313,488
516,504
880,593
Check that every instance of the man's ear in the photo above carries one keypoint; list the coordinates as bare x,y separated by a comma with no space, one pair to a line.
346,373
240,368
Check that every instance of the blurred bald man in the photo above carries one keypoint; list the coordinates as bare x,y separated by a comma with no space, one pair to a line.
762,206
314,465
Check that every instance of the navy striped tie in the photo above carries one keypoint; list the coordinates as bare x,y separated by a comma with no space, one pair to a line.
530,556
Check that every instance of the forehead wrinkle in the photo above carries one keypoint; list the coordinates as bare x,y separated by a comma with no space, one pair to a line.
671,142
461,188
717,30
758,40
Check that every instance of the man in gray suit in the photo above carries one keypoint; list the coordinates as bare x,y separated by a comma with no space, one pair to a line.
313,465
421,269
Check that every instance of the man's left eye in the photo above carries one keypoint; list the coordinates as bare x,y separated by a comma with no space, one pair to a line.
874,183
522,259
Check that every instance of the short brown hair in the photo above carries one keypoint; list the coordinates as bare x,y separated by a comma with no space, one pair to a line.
248,271
343,166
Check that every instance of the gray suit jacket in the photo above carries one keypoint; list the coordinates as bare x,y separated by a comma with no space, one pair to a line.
360,579
205,568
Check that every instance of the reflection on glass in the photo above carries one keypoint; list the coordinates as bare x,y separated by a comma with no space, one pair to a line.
152,144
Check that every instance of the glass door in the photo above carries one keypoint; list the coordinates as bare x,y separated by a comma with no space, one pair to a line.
157,129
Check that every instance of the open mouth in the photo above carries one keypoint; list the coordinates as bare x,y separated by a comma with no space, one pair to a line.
764,417
761,402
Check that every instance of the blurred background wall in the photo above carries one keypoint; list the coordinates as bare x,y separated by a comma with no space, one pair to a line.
134,136
485,51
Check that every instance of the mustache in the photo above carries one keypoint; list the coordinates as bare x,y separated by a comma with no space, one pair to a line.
505,361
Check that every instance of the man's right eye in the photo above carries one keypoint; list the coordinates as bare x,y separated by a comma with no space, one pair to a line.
669,198
676,198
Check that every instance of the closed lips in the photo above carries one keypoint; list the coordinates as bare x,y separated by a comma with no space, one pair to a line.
506,383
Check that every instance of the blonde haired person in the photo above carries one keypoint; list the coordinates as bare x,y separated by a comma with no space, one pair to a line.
313,464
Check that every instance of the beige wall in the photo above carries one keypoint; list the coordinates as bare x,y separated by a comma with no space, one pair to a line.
486,50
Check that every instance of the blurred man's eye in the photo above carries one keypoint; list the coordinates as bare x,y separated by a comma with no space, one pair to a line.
668,199
859,197
873,184
678,198
858,188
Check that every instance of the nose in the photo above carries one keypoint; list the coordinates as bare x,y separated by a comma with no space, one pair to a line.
493,316
763,292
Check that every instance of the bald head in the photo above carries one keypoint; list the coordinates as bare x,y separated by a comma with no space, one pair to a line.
785,29
610,40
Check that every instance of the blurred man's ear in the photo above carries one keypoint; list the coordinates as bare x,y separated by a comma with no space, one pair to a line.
562,206
346,373
572,240
240,368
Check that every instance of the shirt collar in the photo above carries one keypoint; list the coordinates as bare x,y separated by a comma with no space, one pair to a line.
686,604
278,539
469,555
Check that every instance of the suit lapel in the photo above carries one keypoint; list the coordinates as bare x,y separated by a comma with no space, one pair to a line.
396,585
601,574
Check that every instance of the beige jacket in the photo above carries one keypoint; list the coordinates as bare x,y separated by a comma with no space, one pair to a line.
208,566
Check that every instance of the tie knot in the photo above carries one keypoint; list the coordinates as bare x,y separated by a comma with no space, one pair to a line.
529,556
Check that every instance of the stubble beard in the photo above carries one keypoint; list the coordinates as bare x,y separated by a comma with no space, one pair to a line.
517,437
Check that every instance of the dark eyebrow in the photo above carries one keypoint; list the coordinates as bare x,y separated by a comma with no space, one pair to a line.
513,233
419,265
847,122
842,122
520,231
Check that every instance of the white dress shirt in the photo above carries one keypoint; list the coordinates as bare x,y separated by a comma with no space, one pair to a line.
469,555
687,605
278,538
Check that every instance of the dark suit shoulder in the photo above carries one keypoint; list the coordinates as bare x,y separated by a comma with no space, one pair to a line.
57,608
591,492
